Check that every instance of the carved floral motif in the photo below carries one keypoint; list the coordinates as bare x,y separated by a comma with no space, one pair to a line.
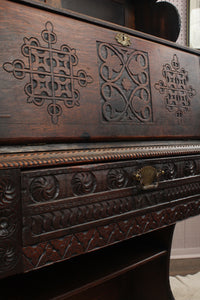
7,226
170,171
44,188
117,178
83,183
7,191
190,168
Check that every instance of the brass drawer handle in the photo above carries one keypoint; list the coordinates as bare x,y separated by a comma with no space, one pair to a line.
148,177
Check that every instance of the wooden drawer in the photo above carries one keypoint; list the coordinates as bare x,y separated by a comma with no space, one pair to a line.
73,210
65,78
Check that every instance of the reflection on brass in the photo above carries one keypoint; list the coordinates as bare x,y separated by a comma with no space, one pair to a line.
148,177
123,39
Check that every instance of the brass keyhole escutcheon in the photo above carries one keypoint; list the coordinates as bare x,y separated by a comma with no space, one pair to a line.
148,177
123,39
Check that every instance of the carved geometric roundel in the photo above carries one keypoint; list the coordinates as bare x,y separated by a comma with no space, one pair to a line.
52,78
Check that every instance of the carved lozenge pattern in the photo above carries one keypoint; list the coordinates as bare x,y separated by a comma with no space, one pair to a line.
44,253
125,84
166,195
51,73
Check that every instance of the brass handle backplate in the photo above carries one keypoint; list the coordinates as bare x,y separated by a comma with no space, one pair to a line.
148,177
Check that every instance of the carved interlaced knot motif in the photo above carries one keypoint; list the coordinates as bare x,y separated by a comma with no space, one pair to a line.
177,93
51,73
125,84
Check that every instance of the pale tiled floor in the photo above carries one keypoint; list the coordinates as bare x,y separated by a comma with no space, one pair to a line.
186,287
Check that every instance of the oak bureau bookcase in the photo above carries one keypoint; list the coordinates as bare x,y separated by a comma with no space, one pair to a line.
99,148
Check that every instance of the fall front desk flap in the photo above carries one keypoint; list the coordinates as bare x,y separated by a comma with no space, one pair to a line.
63,78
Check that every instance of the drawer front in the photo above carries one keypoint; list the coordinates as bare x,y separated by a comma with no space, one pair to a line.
73,210
67,79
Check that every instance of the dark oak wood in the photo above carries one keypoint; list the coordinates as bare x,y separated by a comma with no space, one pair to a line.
110,273
158,100
100,151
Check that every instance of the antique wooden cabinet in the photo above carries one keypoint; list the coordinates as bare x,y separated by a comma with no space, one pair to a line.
99,155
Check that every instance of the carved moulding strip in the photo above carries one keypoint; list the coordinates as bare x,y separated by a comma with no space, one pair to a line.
10,241
45,222
129,225
38,159
60,221
51,73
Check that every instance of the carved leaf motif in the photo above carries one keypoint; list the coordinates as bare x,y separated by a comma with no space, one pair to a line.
135,67
83,183
113,63
44,188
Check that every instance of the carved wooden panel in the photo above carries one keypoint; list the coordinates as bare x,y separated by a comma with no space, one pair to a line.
124,73
51,73
107,233
177,92
61,204
81,83
10,223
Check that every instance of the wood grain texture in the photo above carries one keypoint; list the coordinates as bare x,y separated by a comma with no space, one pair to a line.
67,79
106,92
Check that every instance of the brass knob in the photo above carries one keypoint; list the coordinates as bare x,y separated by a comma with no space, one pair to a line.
148,177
